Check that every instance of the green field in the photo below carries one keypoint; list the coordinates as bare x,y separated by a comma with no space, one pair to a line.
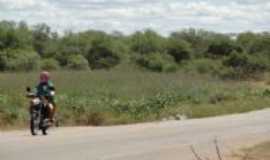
121,96
112,78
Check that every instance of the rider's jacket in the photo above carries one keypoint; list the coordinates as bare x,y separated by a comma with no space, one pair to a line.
45,89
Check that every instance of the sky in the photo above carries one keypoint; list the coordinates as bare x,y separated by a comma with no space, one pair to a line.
127,16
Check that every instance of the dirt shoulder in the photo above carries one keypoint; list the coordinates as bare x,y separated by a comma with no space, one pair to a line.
257,152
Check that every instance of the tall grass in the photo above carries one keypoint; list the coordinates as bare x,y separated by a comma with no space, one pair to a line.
123,96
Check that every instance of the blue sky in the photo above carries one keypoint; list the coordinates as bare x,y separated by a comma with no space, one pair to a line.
128,16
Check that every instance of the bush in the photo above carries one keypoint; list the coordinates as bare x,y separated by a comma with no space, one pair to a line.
237,60
204,66
198,39
19,60
49,64
180,50
232,73
103,54
248,62
255,43
157,62
222,46
169,67
77,62
147,42
243,65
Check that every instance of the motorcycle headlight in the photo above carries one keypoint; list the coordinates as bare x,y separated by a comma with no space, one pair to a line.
52,93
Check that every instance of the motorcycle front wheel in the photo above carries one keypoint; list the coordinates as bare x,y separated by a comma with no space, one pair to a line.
34,126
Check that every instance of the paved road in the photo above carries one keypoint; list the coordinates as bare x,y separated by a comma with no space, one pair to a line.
152,141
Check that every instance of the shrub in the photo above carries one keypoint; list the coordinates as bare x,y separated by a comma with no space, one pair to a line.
178,49
77,62
157,62
19,60
237,60
247,41
49,64
147,42
103,54
232,73
243,65
247,62
203,66
222,46
170,67
259,62
198,39
255,43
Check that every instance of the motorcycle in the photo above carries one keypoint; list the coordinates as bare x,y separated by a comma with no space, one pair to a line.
39,113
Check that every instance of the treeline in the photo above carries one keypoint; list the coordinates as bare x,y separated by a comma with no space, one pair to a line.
25,48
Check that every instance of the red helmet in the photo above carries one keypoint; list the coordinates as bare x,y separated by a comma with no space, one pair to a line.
44,76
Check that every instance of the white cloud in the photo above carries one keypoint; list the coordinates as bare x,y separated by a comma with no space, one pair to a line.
131,15
21,4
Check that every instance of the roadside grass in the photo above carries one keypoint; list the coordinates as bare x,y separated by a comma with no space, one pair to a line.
258,152
123,96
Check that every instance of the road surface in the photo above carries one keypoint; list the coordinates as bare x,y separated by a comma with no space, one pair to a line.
169,140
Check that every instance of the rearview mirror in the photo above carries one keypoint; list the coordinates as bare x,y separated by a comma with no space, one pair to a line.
28,89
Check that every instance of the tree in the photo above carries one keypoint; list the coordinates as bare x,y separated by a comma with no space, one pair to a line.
222,46
19,60
41,36
147,42
49,64
198,39
77,62
261,44
24,35
104,53
8,38
15,36
158,62
246,40
179,49
244,65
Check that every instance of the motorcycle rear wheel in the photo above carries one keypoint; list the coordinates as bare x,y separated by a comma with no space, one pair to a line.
44,131
45,126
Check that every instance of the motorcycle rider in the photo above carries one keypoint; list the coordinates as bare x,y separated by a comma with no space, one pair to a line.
45,91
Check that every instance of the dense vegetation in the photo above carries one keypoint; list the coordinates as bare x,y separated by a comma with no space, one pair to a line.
24,48
125,84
